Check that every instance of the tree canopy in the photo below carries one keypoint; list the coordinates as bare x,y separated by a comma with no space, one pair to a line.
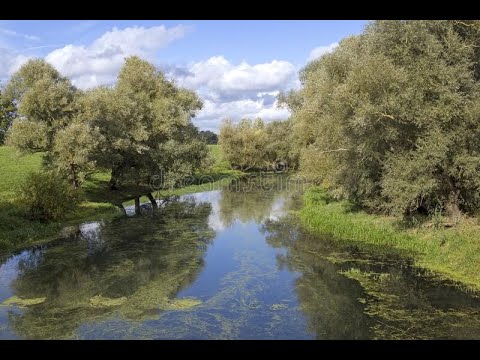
138,128
257,145
390,118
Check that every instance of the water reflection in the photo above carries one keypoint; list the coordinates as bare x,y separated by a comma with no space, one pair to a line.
132,267
226,264
347,293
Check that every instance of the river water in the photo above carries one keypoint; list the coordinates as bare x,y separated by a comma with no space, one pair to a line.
230,263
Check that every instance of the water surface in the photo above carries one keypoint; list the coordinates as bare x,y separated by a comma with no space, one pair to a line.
225,264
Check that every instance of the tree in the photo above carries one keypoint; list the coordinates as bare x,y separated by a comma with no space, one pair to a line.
144,125
243,143
139,128
209,137
279,152
7,114
258,145
392,114
73,152
48,120
46,104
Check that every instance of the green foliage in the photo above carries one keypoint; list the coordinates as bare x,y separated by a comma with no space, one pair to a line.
7,114
27,136
73,151
389,120
46,103
209,137
47,196
144,126
257,145
140,128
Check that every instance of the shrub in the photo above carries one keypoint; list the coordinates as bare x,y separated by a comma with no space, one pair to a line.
46,196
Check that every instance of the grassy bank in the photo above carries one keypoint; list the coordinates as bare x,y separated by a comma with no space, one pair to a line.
452,253
99,203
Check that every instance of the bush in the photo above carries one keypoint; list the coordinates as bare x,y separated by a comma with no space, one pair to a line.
48,197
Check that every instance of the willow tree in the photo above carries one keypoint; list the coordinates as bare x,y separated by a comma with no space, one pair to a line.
7,114
390,118
145,126
46,103
243,144
47,120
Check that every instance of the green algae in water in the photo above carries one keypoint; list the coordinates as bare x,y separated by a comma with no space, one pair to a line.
401,312
100,301
182,304
16,301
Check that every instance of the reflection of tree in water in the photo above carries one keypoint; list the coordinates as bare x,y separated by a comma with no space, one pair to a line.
139,265
327,298
250,199
348,293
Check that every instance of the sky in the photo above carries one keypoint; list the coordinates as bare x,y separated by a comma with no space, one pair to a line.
237,67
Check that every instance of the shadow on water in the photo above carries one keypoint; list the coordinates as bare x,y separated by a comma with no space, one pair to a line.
232,263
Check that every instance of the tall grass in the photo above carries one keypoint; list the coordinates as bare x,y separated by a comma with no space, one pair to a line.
452,253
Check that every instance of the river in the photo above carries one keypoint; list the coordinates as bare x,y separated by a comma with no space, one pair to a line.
230,263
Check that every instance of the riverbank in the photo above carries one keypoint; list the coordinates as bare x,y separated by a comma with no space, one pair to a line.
99,203
451,253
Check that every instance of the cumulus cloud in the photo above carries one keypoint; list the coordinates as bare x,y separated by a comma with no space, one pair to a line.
10,62
229,90
321,50
210,117
218,78
236,91
99,62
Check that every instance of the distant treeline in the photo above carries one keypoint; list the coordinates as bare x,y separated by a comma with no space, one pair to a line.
256,145
209,137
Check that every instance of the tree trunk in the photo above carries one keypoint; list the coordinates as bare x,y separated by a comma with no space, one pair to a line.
137,206
453,205
75,180
152,200
114,178
121,207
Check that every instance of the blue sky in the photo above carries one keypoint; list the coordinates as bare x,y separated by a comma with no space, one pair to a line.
237,67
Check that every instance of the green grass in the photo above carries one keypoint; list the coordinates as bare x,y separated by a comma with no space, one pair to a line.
14,168
16,231
451,253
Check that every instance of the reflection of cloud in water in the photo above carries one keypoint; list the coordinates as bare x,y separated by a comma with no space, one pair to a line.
213,198
14,266
277,209
91,232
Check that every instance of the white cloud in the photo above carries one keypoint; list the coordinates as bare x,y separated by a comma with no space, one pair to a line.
99,62
229,90
210,117
221,78
321,50
236,91
10,62
16,34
